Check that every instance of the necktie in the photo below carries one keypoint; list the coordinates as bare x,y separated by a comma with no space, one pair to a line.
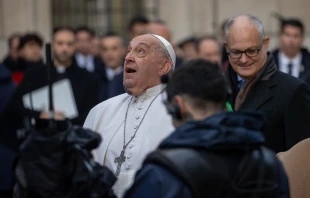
290,66
241,83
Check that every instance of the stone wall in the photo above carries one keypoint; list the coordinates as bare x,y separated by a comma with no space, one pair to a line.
24,16
199,17
184,17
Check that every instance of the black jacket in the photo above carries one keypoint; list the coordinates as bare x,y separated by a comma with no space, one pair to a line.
227,135
305,61
22,65
10,63
7,87
285,100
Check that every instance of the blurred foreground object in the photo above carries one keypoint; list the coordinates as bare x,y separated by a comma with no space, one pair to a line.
56,161
296,162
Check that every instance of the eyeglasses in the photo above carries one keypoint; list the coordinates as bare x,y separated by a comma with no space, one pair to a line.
248,53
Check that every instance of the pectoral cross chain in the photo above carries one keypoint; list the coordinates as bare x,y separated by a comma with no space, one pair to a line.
120,160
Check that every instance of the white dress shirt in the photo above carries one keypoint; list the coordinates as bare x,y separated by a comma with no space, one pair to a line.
285,61
241,81
60,69
112,73
85,62
108,117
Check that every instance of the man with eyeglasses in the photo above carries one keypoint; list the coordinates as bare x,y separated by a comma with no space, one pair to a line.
257,85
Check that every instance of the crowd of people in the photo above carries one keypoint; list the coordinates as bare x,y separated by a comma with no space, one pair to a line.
166,113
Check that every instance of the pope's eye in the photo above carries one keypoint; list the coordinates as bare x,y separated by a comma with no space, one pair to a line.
141,51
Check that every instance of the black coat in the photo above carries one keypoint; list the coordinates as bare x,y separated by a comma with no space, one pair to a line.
305,61
7,87
10,63
285,100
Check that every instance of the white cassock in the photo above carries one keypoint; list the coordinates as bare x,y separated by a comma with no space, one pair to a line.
107,118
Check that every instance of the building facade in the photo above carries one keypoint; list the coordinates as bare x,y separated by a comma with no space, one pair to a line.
184,17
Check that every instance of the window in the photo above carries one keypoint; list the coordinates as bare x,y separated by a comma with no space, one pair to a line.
101,15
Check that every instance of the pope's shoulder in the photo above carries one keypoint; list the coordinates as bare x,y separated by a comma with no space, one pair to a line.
112,102
105,108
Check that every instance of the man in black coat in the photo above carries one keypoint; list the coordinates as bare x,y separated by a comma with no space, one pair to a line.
291,58
112,52
83,56
257,85
29,56
84,85
10,61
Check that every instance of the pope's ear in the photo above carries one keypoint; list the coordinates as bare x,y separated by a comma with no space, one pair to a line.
165,68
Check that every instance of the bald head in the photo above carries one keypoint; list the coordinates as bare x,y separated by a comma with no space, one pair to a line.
243,23
159,28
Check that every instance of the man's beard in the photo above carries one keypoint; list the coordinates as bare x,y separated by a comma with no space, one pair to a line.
62,59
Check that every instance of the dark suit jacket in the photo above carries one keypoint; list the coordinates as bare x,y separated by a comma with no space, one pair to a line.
100,72
305,61
111,88
115,86
178,62
285,100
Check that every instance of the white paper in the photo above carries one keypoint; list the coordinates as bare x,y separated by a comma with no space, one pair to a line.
63,96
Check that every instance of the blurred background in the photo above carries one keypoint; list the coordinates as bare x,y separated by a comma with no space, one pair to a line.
184,17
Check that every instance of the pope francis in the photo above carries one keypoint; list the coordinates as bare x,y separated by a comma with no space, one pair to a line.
134,123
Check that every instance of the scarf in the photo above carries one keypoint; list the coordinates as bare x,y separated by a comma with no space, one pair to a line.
264,74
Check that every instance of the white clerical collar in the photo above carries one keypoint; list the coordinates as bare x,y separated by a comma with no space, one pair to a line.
151,92
81,56
60,69
295,61
112,73
86,62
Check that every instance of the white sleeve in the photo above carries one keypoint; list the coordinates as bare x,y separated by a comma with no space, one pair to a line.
90,120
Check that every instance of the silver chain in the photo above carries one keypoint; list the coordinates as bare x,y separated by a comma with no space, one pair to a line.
132,137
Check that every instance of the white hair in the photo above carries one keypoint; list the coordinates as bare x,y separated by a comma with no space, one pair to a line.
166,55
253,19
